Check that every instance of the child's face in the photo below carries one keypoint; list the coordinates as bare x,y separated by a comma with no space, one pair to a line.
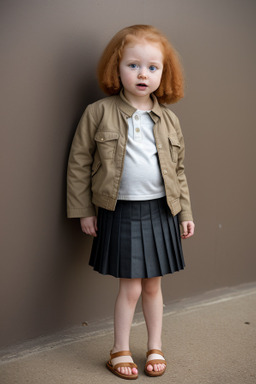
141,69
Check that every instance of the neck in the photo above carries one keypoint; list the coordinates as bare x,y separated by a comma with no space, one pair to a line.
142,103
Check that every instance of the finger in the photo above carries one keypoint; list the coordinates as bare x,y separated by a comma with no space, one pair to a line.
95,225
92,232
185,230
84,228
87,230
191,230
184,235
189,234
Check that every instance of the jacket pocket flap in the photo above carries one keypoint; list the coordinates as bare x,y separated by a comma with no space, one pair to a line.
174,140
106,136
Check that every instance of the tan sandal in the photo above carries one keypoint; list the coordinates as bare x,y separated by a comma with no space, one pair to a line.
114,370
156,361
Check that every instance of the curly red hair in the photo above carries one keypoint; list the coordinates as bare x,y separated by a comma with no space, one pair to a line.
171,88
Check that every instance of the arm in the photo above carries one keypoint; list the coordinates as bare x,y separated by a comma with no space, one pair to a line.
186,213
185,216
81,156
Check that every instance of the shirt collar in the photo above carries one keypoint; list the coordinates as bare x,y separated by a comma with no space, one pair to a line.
124,105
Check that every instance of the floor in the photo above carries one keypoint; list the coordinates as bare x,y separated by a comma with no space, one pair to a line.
210,338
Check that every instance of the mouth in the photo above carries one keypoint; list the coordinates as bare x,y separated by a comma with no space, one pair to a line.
142,85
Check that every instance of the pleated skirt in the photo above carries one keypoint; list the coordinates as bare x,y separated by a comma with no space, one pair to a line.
140,239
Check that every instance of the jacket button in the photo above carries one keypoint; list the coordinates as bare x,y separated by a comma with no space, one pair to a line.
101,139
164,171
159,146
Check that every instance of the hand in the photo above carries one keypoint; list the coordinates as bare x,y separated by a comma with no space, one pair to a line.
89,225
188,229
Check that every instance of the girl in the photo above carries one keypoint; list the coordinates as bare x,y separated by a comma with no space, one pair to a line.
126,183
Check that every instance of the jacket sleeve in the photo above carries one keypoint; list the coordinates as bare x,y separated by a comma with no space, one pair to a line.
79,196
186,212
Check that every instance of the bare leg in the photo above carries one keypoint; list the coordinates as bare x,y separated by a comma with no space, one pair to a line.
129,293
152,303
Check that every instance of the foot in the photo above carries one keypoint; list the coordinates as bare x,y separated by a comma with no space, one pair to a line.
122,364
124,370
156,366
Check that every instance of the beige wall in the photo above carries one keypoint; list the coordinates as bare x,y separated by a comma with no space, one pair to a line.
49,50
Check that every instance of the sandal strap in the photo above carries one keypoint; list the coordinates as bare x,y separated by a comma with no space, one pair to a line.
131,365
120,353
155,351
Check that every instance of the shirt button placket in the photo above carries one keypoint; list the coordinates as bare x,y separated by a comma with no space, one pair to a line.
137,128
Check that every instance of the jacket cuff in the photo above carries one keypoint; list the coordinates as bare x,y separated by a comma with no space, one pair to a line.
81,212
185,216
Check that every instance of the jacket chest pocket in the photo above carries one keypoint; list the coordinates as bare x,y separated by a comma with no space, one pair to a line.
174,147
106,143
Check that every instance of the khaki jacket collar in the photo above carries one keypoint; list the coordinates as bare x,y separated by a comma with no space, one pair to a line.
124,105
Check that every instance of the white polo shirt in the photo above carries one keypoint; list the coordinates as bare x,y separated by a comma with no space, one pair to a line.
141,178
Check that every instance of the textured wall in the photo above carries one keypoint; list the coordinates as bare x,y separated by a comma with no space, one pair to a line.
49,50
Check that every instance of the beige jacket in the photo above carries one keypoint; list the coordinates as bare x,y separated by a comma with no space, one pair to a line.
97,157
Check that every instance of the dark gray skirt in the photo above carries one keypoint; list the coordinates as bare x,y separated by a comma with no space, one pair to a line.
140,239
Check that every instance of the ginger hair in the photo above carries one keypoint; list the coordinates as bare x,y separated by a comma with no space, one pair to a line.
171,88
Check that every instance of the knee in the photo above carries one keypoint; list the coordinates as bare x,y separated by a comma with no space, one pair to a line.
132,291
151,287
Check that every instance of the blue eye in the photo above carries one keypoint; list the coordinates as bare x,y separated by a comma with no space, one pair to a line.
152,68
133,66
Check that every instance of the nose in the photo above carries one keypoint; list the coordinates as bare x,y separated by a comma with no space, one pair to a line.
142,74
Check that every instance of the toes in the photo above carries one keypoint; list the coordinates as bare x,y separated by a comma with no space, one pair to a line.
156,367
161,367
135,371
127,371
